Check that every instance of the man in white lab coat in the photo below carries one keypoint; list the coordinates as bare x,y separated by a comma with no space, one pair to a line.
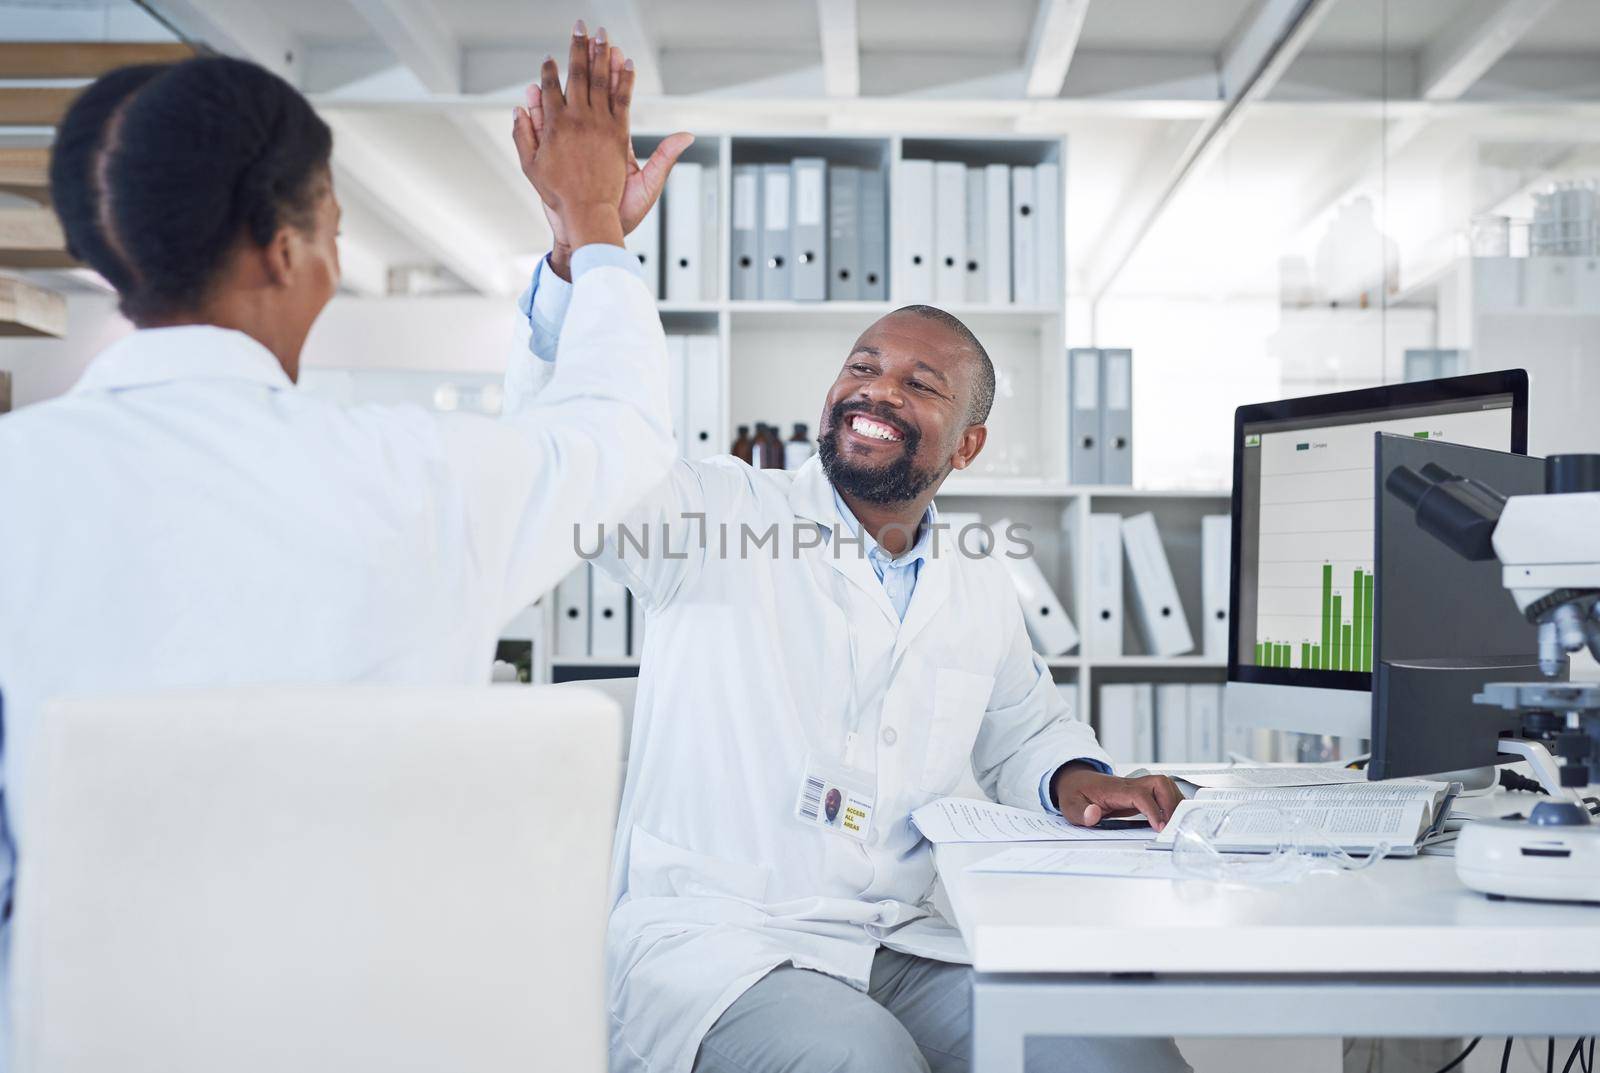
185,517
806,635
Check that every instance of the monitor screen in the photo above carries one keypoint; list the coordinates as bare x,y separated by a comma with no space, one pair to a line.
1303,556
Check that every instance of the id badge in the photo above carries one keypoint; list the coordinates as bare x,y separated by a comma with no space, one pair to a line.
837,799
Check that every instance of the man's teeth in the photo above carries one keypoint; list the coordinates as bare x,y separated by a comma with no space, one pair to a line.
865,426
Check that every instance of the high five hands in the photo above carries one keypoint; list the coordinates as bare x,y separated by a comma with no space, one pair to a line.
574,148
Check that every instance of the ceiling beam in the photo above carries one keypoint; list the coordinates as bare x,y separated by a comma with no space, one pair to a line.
246,28
431,218
419,37
841,47
624,26
1261,52
83,59
1473,43
1051,44
421,40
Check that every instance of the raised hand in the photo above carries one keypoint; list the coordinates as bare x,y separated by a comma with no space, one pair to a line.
642,186
578,159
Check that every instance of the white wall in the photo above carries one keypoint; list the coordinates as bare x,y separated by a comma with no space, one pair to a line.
441,333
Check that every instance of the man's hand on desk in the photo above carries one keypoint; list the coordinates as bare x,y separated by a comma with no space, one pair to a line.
642,186
1085,796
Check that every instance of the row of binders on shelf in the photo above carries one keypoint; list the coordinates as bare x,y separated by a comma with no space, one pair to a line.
989,235
809,231
1157,605
596,617
694,388
1100,409
1168,723
676,242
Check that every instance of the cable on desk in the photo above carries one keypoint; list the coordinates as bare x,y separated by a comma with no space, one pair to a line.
1462,1057
1512,780
1505,1056
1550,1056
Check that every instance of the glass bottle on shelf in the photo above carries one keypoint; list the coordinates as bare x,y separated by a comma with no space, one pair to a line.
743,445
772,457
798,448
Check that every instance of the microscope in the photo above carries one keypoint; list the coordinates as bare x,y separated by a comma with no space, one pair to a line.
1548,547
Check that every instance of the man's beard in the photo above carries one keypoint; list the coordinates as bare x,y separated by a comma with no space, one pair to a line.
898,482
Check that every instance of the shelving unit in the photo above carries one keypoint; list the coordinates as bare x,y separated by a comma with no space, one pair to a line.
779,357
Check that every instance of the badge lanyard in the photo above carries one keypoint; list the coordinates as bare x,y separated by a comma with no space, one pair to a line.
835,793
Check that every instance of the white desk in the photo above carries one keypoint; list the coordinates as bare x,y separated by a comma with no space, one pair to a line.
1401,949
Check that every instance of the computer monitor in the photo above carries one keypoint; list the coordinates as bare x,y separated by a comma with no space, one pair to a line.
1442,625
1300,654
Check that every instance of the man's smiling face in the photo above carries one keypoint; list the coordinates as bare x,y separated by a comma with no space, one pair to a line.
894,421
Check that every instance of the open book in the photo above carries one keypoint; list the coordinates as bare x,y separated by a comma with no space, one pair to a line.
1404,813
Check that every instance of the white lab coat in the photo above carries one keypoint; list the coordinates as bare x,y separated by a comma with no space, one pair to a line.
184,517
745,673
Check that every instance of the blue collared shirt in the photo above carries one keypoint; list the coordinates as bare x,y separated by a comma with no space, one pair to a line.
545,316
898,575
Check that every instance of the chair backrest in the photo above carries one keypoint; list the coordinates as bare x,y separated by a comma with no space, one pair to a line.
341,879
625,691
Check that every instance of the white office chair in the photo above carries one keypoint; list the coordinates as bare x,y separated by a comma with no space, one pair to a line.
625,691
342,879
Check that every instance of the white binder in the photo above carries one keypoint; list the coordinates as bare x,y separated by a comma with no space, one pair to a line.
745,273
572,614
684,232
1050,237
809,190
977,285
874,237
913,210
702,398
710,233
949,233
1172,723
1116,416
1083,414
1205,722
1216,534
1126,724
645,244
1049,626
844,234
1024,238
997,231
677,366
775,232
608,617
1104,628
1156,605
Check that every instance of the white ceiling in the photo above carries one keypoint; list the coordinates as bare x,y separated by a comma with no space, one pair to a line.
1142,81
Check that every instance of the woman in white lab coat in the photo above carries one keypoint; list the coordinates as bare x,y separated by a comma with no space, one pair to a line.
184,517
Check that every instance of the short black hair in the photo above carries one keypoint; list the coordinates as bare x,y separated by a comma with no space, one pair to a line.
983,380
158,170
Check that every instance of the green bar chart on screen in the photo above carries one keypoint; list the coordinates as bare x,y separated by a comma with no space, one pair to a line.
1345,642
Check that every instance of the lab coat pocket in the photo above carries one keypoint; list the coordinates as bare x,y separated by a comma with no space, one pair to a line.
959,703
659,869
